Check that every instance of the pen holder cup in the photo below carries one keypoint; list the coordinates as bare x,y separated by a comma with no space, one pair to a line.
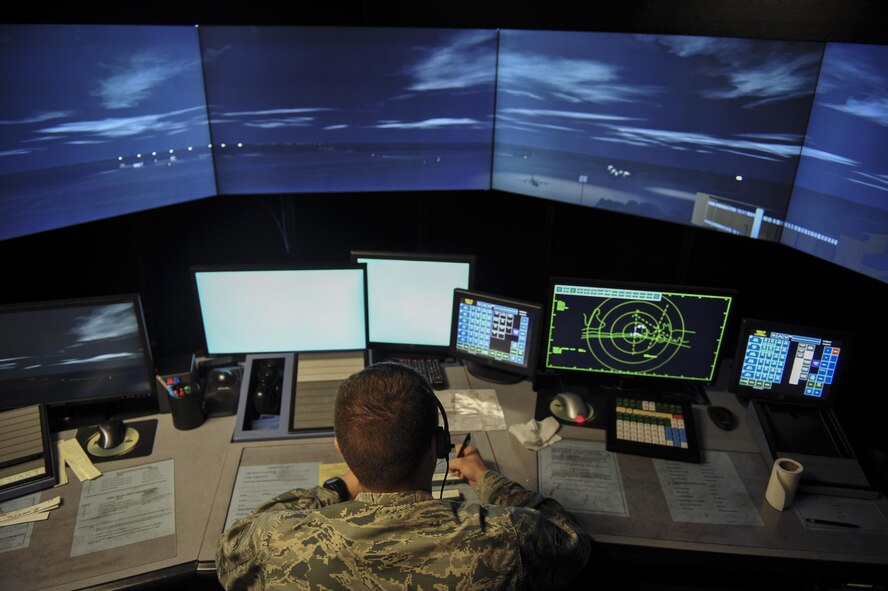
188,410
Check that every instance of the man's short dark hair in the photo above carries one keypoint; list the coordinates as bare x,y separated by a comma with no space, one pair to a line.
385,419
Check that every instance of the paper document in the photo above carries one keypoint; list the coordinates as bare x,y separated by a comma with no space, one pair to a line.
472,410
583,476
125,507
839,514
74,456
256,484
18,536
706,493
61,467
38,512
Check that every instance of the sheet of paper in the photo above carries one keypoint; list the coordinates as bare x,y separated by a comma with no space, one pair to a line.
256,484
41,509
125,507
22,476
472,410
706,493
583,476
28,518
60,466
18,536
80,463
839,514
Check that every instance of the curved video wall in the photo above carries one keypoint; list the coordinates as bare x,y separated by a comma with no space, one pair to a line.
774,140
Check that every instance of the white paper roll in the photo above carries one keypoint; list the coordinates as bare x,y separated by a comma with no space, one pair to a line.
785,477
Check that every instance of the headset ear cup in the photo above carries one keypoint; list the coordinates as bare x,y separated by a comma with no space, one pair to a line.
442,443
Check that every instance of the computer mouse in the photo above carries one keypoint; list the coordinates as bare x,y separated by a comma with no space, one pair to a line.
722,417
571,407
112,432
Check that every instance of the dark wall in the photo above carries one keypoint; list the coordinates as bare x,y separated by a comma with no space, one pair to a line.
819,20
519,241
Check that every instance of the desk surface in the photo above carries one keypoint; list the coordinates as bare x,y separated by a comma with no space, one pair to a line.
206,463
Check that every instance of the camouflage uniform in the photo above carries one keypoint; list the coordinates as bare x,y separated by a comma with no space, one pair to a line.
306,539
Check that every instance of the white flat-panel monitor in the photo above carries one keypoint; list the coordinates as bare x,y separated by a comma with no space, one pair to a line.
410,298
270,310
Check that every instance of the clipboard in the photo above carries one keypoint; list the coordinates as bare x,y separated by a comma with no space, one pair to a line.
26,455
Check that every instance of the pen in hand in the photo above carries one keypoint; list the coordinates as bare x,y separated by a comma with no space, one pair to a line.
462,450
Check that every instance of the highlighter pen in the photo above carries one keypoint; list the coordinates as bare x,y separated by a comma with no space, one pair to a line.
166,386
465,443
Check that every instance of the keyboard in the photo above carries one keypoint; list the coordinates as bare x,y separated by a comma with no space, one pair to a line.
430,367
652,427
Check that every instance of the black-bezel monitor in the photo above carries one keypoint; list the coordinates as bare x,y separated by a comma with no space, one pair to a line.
496,337
636,330
77,352
410,299
789,362
281,309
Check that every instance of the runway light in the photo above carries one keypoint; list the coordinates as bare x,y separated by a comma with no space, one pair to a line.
738,178
120,157
240,145
138,155
154,153
190,148
210,146
221,145
171,150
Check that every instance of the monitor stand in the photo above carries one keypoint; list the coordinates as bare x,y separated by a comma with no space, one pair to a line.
684,390
495,376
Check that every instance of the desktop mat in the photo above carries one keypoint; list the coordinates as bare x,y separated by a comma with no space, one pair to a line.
147,431
596,401
47,562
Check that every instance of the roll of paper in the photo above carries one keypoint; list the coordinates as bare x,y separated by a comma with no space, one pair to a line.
785,477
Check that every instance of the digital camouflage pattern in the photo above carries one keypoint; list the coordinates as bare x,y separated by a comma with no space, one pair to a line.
305,539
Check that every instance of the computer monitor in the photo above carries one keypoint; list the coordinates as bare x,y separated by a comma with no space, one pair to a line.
636,330
281,309
787,362
410,299
496,337
86,358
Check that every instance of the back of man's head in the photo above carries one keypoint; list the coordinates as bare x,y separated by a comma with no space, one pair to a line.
385,419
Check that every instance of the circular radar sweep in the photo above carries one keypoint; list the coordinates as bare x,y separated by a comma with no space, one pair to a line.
635,335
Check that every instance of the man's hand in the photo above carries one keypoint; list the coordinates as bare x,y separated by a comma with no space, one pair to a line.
470,466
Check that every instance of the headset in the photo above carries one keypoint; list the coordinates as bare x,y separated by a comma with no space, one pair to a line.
443,443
